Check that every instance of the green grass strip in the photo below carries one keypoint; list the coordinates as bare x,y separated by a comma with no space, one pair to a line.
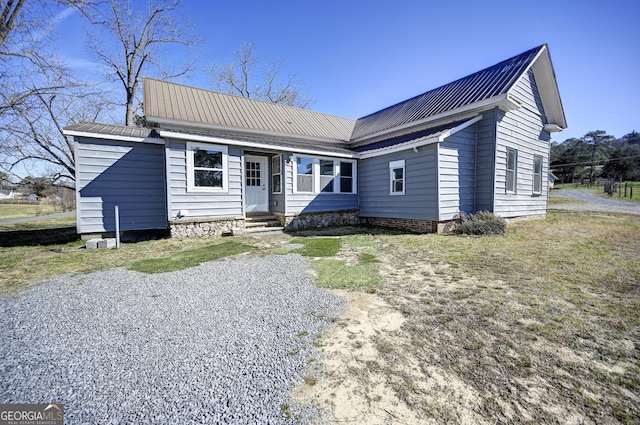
317,247
190,258
337,274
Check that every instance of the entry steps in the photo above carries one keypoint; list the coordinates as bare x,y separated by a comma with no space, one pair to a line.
259,223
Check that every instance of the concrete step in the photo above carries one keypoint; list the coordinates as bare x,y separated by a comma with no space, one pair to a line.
253,230
261,217
270,223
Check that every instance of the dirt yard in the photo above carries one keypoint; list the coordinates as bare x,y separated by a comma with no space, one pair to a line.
436,345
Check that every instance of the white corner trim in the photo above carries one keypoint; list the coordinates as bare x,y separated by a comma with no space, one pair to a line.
244,143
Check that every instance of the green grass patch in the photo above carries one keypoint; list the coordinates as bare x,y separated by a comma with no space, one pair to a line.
52,223
317,247
23,264
14,211
189,258
337,274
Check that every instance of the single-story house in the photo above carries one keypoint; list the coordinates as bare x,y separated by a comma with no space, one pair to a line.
7,193
213,163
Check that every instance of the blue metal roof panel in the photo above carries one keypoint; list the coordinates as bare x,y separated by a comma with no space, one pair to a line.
482,85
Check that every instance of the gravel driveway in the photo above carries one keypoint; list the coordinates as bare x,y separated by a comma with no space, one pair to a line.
589,201
224,342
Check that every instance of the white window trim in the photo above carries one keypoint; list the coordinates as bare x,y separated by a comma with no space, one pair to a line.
395,165
515,172
191,187
540,179
279,156
316,175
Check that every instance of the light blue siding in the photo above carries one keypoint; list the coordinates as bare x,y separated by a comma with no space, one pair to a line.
457,173
127,174
297,203
202,204
522,129
485,161
420,200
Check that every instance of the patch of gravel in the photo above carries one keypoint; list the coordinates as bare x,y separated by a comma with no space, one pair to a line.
589,201
224,342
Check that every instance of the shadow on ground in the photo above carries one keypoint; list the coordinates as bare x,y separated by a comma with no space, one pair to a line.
39,237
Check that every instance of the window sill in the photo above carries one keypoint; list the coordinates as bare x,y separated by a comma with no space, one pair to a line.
206,190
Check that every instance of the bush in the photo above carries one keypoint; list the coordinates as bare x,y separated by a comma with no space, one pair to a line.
480,223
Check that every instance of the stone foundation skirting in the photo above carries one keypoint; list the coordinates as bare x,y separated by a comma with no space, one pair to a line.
217,226
412,225
319,220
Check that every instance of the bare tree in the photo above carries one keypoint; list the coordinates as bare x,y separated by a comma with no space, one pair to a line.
31,78
141,36
245,77
36,134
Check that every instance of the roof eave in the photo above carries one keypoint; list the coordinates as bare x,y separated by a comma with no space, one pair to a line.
415,145
255,145
92,135
502,101
547,83
241,131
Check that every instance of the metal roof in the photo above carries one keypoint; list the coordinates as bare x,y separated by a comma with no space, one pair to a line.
169,103
482,85
412,138
117,131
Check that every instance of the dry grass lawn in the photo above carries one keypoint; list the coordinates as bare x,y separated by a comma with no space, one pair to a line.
540,326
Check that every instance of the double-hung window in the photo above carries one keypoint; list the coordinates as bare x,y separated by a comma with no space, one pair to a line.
396,177
327,175
276,174
304,174
537,174
346,177
512,170
206,167
324,175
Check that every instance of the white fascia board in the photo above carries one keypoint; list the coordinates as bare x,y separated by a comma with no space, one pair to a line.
240,130
88,135
459,128
422,142
553,128
244,143
453,115
399,148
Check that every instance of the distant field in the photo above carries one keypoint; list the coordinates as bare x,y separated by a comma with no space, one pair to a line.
633,190
13,211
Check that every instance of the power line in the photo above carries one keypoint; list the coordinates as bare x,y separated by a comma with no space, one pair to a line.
589,162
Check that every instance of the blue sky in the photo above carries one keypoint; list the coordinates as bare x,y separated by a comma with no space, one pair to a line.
356,57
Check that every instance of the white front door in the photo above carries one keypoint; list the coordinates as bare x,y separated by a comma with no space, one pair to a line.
255,178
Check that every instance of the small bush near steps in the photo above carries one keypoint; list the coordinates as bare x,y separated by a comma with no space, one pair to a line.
480,223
